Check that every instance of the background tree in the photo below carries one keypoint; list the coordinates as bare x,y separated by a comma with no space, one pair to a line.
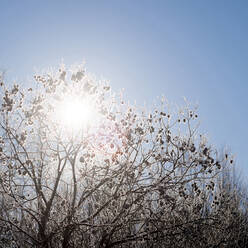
82,168
229,209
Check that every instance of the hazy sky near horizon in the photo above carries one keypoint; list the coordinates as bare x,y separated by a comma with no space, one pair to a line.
178,48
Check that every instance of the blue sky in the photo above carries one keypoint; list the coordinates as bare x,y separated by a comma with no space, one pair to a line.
193,49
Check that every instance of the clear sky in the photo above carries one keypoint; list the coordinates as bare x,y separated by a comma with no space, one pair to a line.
179,48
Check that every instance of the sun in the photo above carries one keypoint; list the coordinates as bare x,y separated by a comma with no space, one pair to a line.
76,114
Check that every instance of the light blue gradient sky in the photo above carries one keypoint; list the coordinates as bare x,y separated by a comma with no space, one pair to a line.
196,49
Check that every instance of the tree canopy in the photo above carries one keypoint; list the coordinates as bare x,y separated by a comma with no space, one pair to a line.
80,167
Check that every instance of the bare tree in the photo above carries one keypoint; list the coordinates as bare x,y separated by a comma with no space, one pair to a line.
82,168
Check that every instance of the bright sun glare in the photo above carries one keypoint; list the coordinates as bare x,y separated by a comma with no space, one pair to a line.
75,114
